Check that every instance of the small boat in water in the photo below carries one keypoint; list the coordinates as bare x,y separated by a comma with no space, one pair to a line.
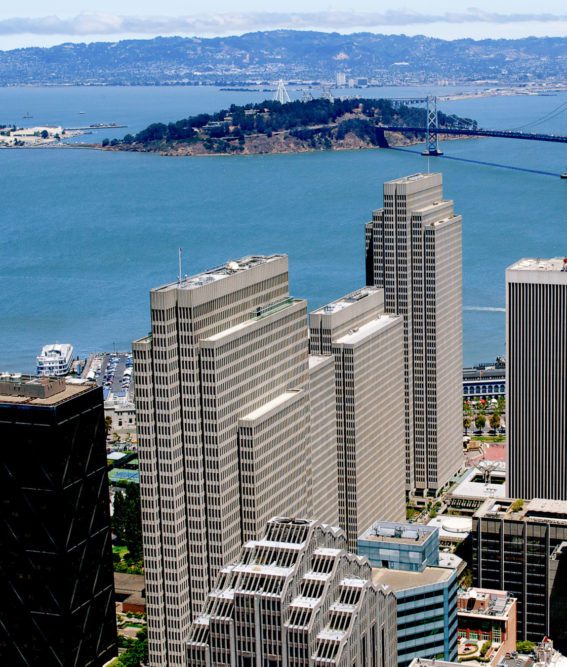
28,115
563,175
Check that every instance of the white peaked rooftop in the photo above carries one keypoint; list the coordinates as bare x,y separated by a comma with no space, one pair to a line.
311,598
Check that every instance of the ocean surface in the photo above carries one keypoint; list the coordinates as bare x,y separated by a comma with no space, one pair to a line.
85,234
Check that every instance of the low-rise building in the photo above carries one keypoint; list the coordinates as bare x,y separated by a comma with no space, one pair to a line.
485,381
488,615
487,624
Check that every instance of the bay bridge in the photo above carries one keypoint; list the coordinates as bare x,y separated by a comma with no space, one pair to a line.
431,129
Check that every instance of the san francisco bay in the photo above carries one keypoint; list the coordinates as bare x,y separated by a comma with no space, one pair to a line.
85,234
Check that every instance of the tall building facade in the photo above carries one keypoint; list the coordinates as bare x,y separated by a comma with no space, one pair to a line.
536,343
296,597
222,396
323,439
413,252
56,574
521,547
367,347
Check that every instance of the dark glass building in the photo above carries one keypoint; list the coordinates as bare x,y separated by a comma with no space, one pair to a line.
56,578
520,547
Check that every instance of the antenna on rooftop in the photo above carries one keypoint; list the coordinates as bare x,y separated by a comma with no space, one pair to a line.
179,275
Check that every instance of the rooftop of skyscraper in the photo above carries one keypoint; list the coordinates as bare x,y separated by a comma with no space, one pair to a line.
420,176
538,264
360,333
219,272
19,389
346,301
537,510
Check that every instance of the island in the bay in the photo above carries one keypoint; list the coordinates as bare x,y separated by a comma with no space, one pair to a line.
298,126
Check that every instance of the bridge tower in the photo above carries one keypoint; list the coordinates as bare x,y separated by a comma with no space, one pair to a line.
281,95
432,124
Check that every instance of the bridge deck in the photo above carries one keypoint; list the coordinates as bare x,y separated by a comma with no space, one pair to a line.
503,134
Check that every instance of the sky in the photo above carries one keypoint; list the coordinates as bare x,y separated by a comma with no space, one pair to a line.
37,23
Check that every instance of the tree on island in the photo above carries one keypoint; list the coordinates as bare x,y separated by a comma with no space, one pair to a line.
44,134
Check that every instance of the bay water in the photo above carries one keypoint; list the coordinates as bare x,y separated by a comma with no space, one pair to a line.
85,234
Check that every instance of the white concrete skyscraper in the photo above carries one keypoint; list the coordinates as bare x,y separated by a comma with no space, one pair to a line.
367,347
413,251
222,395
536,401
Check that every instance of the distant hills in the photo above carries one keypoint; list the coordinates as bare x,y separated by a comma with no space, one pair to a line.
292,55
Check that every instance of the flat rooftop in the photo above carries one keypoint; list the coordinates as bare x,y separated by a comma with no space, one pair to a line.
315,360
346,301
412,178
275,403
485,603
470,487
537,510
20,389
537,264
454,528
401,580
388,532
358,334
231,268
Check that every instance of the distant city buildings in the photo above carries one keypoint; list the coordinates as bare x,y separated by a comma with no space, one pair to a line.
113,371
55,360
413,252
405,559
485,381
296,597
521,547
56,574
536,344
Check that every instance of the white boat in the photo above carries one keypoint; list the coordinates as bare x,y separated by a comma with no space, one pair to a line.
55,360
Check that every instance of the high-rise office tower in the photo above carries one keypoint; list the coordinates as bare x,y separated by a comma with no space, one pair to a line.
56,574
296,597
536,401
323,435
413,251
367,347
222,395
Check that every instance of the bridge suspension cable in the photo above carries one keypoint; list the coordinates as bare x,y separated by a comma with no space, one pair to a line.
555,113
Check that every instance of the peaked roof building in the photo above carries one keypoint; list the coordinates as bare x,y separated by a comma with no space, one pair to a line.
296,597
